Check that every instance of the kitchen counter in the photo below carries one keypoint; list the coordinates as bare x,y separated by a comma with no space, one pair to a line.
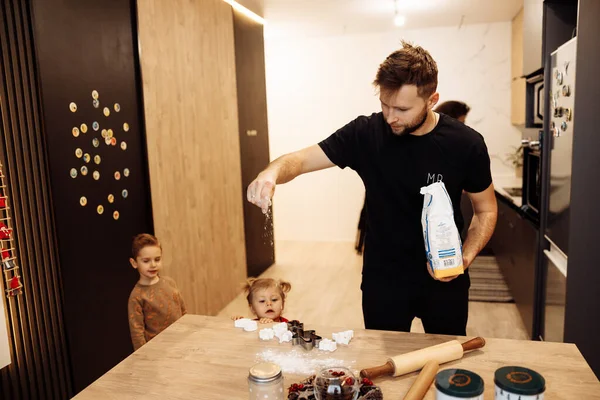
501,183
204,357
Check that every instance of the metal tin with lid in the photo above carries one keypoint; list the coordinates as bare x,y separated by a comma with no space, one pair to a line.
265,381
519,383
453,384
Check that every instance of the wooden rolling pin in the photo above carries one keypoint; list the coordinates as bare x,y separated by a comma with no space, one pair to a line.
415,360
419,389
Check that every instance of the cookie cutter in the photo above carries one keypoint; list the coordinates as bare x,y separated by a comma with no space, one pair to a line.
294,325
306,338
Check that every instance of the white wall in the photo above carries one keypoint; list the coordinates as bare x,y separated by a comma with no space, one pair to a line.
316,85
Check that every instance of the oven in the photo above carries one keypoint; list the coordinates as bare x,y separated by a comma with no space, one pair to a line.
534,99
532,183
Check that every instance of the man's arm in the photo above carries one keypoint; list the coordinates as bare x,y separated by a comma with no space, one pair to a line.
283,170
485,214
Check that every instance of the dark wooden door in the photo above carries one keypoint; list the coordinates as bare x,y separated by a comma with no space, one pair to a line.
254,137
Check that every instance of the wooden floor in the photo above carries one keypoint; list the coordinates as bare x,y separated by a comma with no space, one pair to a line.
325,280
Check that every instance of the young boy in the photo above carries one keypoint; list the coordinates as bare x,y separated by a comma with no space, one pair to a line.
155,302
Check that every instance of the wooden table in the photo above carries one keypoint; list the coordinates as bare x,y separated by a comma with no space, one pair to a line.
202,357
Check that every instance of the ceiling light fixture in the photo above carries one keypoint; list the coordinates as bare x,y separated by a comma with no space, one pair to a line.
238,7
399,20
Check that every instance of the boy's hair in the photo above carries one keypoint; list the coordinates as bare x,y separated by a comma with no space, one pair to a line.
253,285
411,65
453,108
143,240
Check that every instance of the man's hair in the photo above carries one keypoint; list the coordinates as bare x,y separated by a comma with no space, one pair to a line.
453,108
411,65
143,240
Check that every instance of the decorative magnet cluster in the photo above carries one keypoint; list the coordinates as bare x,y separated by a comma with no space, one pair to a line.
87,149
10,268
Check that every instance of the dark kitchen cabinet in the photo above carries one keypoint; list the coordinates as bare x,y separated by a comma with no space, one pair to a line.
514,243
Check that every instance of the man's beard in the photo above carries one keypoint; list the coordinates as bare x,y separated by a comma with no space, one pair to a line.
414,125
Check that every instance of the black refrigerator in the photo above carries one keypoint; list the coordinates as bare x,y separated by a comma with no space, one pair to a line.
561,133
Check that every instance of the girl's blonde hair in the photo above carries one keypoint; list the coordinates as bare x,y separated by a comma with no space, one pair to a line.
253,285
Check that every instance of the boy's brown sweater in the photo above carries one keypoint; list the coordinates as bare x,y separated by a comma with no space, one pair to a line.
152,308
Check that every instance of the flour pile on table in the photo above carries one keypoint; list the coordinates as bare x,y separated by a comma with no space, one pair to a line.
300,361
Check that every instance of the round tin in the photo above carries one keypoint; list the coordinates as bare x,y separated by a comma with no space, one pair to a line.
452,384
522,383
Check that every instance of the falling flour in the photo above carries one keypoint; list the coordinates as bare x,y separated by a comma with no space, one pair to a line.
302,362
268,226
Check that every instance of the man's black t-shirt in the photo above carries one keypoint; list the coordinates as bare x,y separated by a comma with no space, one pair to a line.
393,169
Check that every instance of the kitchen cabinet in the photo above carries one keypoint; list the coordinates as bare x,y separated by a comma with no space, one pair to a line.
514,243
517,87
533,16
526,54
517,103
526,39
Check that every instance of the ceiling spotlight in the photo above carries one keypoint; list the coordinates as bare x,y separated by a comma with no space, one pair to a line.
399,20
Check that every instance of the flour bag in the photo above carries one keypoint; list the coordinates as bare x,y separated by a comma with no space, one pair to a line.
442,240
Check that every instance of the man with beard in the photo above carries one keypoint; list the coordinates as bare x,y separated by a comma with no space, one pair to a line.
396,152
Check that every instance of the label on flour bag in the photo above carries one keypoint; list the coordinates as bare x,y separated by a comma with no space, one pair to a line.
442,240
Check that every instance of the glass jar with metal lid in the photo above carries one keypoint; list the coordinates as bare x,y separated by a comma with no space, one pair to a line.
458,384
265,381
519,383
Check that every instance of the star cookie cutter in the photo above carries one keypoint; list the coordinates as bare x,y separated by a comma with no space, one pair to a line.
307,339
